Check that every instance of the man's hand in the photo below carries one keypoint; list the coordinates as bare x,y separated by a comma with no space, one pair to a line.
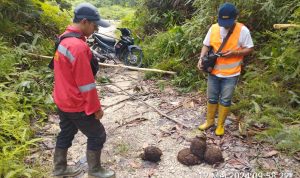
240,52
204,51
229,53
99,114
199,65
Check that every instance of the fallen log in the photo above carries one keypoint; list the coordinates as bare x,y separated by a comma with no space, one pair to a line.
113,65
138,69
284,26
38,56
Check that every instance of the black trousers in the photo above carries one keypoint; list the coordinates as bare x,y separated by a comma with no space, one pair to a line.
70,123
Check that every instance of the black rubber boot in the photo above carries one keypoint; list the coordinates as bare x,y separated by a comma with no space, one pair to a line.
60,164
95,168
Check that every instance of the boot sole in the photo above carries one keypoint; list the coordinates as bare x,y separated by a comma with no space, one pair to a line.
67,176
206,128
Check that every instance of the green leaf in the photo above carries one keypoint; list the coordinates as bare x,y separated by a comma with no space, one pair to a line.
256,106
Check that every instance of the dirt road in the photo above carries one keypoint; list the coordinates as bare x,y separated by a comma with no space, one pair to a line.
132,125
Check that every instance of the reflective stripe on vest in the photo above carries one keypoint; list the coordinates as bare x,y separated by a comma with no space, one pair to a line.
65,52
87,87
226,66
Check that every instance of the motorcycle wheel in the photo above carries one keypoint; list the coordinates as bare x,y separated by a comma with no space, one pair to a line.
133,57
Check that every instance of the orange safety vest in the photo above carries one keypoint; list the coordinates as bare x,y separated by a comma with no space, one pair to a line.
226,66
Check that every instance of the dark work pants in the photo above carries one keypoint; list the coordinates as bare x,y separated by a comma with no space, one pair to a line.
70,123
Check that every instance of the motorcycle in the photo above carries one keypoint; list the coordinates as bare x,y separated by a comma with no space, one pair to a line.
107,48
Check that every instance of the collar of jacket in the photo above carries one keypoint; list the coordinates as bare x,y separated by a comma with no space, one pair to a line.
74,29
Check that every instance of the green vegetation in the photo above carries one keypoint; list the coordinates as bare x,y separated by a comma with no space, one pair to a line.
25,83
115,12
106,3
269,89
111,9
25,96
122,148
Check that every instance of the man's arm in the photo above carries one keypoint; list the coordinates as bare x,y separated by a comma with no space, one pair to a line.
85,81
246,43
242,52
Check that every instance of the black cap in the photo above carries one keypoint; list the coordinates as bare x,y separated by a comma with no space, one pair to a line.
90,12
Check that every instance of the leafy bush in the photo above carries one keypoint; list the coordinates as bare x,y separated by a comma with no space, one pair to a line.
274,90
53,19
17,18
7,60
24,98
25,83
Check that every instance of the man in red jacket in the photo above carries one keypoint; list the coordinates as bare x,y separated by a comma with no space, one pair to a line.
76,96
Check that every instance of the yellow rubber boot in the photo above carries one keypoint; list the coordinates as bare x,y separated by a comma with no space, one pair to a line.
223,112
210,118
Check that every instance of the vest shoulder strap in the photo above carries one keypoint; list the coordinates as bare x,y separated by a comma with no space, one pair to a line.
226,38
67,35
